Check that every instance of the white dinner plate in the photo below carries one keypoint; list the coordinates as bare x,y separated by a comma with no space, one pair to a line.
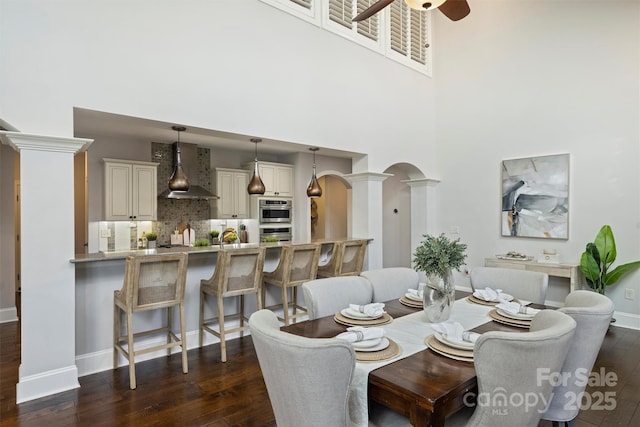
413,297
384,343
507,298
518,316
352,314
358,345
461,345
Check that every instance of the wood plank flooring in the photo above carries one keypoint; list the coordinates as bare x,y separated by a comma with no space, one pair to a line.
233,393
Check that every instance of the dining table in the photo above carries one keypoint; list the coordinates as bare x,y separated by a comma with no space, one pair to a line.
418,383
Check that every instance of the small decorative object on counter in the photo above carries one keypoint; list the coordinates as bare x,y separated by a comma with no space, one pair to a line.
243,233
151,240
215,240
201,242
229,235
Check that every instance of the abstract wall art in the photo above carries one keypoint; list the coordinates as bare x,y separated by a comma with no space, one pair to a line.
535,197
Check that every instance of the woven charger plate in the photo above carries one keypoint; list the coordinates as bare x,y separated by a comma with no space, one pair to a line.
508,320
375,356
475,300
443,349
410,303
344,320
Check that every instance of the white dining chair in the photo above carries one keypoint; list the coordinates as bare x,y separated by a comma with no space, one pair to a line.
307,379
511,367
327,296
522,284
392,282
592,313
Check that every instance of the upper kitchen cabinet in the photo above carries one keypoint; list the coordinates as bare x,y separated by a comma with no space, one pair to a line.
131,190
277,179
231,187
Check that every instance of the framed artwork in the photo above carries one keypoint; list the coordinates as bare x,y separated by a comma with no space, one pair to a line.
535,197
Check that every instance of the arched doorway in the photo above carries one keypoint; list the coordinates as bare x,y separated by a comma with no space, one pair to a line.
330,213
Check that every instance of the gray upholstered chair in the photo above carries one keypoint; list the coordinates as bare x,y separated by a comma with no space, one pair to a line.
150,282
324,297
512,390
522,284
592,312
347,259
298,264
391,283
307,378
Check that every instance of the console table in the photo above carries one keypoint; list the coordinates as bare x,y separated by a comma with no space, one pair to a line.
569,271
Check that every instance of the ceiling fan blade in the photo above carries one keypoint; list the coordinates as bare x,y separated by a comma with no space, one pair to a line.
455,9
372,10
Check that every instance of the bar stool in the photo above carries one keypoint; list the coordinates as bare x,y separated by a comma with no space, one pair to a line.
238,272
150,282
346,259
298,264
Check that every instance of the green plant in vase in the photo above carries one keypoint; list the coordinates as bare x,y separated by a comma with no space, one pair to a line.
151,239
201,242
214,236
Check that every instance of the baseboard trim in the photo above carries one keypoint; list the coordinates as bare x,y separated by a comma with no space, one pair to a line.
8,315
46,383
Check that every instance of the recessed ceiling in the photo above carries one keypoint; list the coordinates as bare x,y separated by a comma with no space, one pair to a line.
92,124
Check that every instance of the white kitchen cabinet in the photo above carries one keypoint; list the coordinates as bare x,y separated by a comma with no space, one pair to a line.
231,187
277,179
130,190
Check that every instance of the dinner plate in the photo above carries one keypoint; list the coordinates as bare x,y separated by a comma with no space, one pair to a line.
384,343
510,321
347,321
446,351
410,303
518,316
507,297
464,345
413,297
352,314
366,343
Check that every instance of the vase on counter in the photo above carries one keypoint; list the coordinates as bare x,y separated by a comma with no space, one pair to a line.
439,295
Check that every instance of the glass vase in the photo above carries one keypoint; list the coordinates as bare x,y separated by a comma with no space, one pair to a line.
439,295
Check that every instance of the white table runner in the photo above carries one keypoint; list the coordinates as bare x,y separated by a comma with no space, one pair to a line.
409,332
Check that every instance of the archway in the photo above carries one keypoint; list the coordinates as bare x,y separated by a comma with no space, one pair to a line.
330,214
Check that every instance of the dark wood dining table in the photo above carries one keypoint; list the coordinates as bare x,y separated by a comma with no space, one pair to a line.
425,387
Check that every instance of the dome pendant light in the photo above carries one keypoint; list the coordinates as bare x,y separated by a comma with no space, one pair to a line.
256,186
314,189
178,180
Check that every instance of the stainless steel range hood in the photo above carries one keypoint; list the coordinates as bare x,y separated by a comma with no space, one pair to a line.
189,159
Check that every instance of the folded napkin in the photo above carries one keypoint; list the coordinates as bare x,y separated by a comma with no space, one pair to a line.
360,333
490,295
374,309
454,331
415,293
516,308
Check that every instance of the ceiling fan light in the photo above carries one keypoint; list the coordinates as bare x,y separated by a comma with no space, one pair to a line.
178,180
424,5
256,186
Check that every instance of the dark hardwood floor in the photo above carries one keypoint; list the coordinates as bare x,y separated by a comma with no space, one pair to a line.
233,393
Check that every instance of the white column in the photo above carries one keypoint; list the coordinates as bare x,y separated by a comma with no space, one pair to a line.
366,213
47,276
421,208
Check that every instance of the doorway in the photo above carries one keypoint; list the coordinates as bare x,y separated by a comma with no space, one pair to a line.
330,212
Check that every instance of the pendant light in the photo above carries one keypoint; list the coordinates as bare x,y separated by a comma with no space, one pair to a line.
178,180
256,186
314,189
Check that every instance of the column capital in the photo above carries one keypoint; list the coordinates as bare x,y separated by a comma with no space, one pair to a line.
421,182
24,141
367,176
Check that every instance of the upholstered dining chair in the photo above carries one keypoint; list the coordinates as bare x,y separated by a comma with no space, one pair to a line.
297,264
522,284
324,297
347,259
510,367
391,282
592,313
238,272
307,379
151,282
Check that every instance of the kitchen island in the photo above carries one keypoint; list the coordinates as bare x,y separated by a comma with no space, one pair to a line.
98,275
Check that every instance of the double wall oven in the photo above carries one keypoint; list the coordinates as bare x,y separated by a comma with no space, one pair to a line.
275,218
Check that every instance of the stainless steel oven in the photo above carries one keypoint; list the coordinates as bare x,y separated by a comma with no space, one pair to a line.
274,211
282,233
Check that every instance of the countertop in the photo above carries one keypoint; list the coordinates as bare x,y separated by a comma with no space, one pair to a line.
104,256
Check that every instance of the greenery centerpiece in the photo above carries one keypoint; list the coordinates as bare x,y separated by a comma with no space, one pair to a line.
214,237
201,242
597,259
437,257
151,239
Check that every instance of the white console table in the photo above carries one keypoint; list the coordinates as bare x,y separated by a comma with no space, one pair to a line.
569,271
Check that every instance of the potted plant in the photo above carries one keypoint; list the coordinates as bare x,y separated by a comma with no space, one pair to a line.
151,240
201,242
270,239
597,259
437,257
214,237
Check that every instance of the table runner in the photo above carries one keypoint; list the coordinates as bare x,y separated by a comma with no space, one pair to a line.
409,332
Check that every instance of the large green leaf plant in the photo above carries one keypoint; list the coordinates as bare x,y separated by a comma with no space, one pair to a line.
597,259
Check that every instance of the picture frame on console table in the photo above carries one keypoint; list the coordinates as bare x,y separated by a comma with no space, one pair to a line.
535,197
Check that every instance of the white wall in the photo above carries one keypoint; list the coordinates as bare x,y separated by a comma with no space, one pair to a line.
529,78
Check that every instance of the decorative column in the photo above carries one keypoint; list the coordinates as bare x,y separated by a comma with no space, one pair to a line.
47,313
366,213
422,211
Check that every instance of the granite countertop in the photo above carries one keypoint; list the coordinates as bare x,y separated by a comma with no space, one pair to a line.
105,256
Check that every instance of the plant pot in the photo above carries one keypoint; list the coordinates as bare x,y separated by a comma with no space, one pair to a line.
151,244
439,295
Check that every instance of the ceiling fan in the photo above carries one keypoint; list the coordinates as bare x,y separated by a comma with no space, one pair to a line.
452,9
